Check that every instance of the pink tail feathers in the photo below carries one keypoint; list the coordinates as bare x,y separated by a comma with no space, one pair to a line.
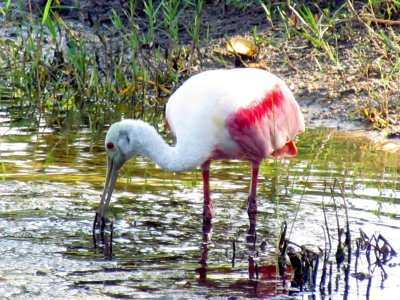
289,149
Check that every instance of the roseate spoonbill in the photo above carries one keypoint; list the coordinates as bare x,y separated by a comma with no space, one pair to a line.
222,114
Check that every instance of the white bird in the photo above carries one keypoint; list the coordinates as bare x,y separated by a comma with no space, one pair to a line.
223,114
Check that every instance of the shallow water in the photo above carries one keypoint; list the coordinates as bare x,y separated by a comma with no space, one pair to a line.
52,181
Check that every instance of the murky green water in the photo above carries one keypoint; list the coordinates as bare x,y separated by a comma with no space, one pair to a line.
51,184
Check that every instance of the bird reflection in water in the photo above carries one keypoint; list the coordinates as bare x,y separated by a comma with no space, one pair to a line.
267,275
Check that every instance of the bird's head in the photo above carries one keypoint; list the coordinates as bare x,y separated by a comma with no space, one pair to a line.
119,147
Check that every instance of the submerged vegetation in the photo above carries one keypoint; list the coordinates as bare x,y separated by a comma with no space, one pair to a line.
64,70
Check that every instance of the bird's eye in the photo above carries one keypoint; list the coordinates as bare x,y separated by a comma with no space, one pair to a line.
110,146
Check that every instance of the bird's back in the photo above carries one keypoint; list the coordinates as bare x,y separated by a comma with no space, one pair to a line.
237,113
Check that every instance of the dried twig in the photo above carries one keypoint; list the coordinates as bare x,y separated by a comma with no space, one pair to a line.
370,30
381,21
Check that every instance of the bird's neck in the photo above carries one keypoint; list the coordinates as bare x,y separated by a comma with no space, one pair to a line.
149,143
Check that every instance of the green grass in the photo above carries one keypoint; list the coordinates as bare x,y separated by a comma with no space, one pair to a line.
364,27
52,74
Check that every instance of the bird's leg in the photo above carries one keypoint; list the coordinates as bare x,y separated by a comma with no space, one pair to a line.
207,206
252,200
207,220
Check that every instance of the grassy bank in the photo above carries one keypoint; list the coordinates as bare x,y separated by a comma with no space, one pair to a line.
62,70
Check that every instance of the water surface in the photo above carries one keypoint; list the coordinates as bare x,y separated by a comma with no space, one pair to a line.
52,181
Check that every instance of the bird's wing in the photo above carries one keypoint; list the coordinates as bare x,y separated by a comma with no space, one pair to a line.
267,126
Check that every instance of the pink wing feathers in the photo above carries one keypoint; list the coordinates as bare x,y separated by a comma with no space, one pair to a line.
267,126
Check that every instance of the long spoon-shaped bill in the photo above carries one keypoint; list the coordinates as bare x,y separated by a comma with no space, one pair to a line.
102,212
